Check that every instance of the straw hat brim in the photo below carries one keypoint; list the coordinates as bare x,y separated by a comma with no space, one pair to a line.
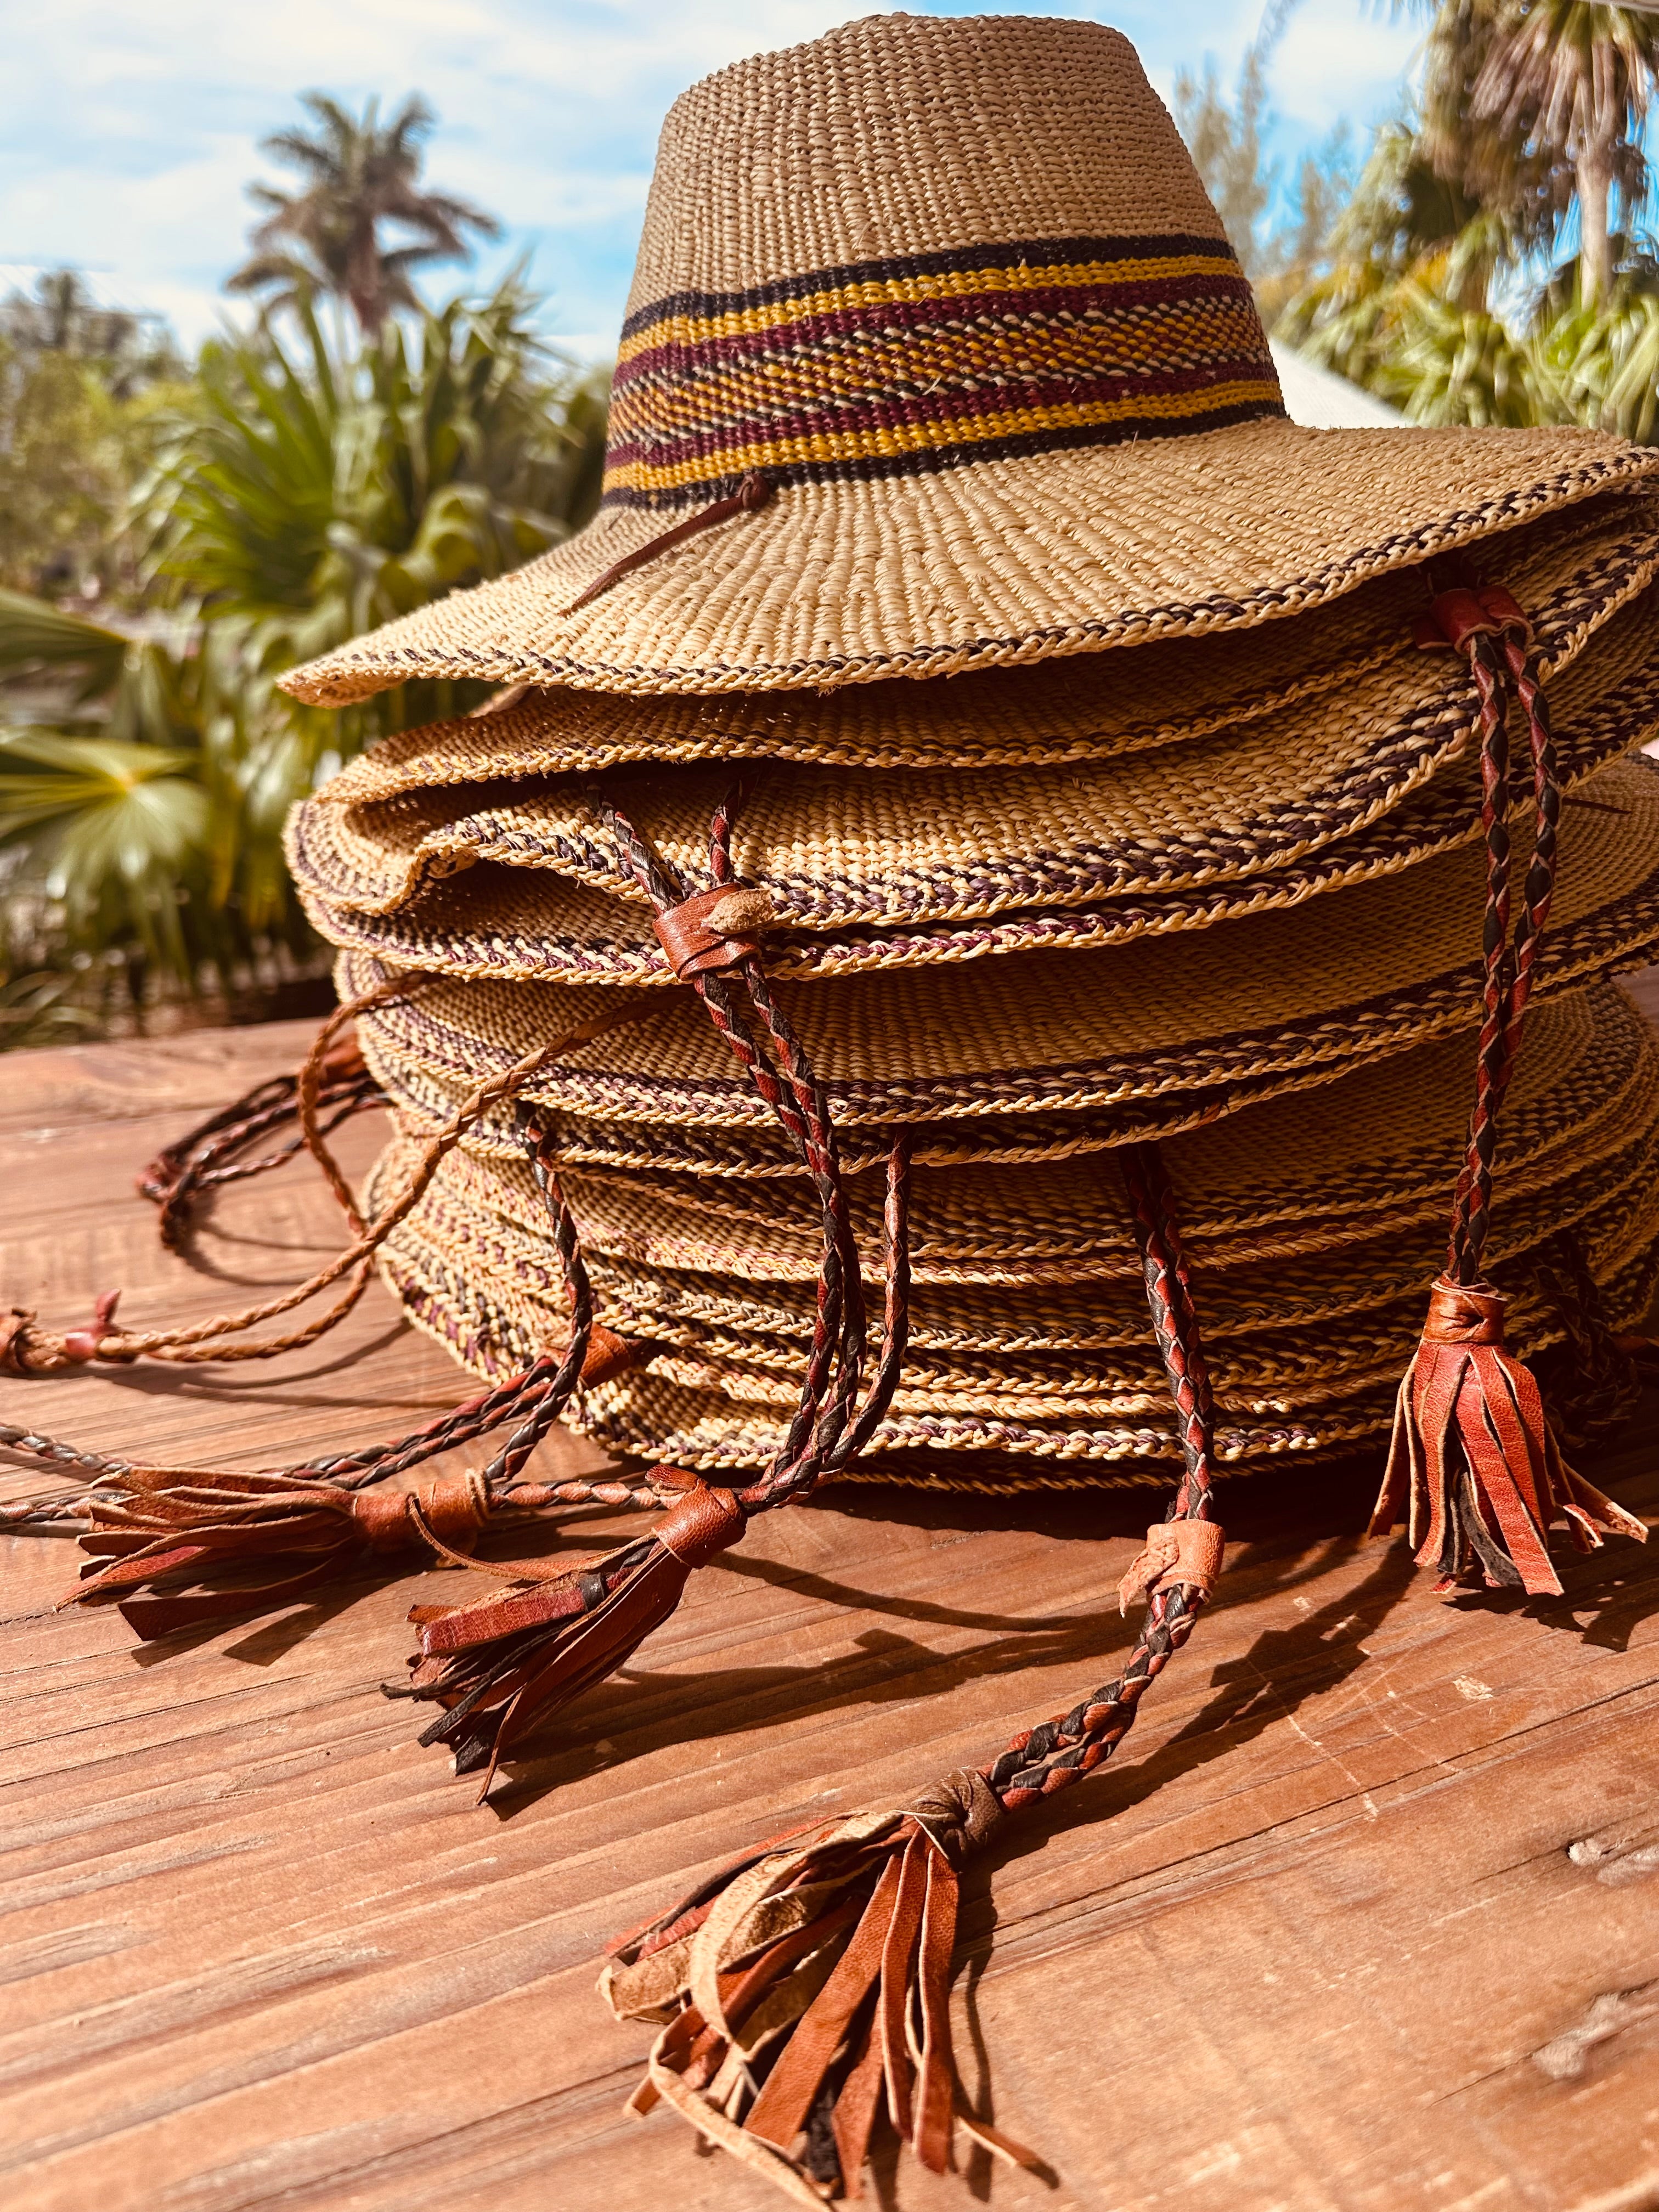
644,1415
1073,709
1279,1322
1360,972
998,563
1309,1173
874,869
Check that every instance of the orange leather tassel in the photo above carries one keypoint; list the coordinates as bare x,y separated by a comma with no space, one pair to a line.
808,1989
1474,1467
192,1540
500,1668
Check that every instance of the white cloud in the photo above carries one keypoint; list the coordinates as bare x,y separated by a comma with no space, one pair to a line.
133,128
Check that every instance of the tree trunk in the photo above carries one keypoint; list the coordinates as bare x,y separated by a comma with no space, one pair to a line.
1595,178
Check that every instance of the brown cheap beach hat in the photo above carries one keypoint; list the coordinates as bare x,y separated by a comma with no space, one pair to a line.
1573,567
842,851
937,358
1293,995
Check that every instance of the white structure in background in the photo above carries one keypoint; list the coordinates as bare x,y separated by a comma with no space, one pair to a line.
1322,401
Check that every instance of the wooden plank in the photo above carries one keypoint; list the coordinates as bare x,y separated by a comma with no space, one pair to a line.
1363,1918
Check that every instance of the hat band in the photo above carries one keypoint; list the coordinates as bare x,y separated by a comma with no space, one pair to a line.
891,367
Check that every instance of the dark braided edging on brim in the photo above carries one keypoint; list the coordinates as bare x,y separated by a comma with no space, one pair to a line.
1193,617
1590,1102
499,1328
761,1370
1062,1256
1397,841
1375,780
1575,952
1300,1303
703,1150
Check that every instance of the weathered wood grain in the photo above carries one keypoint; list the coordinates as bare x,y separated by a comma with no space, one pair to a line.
1366,1917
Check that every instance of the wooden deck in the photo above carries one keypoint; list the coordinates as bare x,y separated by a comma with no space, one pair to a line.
1366,1917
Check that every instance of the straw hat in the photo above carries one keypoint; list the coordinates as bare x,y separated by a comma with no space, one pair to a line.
1324,1205
898,868
937,358
1359,973
1601,552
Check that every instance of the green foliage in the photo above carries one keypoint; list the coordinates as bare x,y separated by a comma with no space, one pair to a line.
60,468
1537,107
147,764
77,383
298,502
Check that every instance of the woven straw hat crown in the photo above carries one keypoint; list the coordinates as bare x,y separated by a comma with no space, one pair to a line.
847,243
945,304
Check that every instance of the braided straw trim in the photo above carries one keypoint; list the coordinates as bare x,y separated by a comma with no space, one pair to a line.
1592,1044
1053,1036
1376,1148
515,921
1057,712
673,1226
495,1239
1278,1325
903,847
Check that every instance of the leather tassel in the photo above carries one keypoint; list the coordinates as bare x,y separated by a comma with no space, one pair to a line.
212,1547
1474,1467
502,1668
807,1989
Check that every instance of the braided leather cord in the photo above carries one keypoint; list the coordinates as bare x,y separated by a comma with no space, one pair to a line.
539,1393
1508,966
796,1466
207,1156
789,1086
1591,1382
1057,1752
1492,730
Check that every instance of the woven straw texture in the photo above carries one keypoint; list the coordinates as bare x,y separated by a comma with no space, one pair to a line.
1047,715
1354,975
926,860
955,289
722,1404
1304,1174
1310,1226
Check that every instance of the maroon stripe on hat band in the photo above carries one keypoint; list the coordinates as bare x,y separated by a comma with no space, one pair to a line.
895,368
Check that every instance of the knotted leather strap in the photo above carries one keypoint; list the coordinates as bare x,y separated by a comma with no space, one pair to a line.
713,929
454,1508
1178,1554
957,1811
1463,1313
700,1524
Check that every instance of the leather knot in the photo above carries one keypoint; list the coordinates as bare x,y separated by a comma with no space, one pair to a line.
1462,1313
454,1508
713,929
607,1355
958,1812
81,1345
1458,615
1178,1555
343,1061
700,1524
16,1326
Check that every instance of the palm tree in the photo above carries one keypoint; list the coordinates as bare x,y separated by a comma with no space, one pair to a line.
357,174
1533,104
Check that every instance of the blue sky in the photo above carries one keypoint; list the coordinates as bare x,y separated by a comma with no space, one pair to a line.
130,129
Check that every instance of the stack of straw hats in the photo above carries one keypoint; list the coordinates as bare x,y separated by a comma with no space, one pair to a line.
1005,411
992,825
